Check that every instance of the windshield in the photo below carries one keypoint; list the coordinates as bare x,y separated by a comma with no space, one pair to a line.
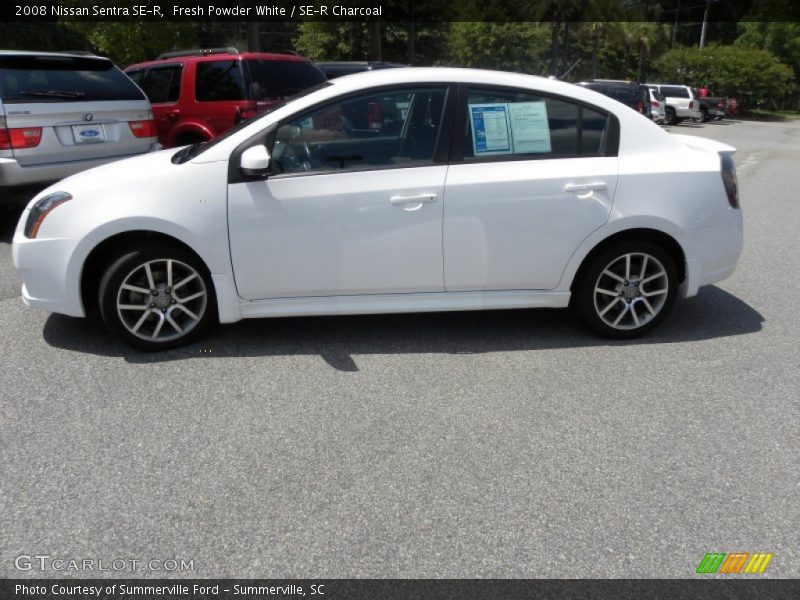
34,79
195,150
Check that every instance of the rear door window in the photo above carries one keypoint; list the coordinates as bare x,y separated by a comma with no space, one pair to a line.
162,84
219,80
506,123
34,79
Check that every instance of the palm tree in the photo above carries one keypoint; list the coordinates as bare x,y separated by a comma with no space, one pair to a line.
557,12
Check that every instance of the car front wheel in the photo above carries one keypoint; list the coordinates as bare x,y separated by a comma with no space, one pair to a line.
156,298
628,290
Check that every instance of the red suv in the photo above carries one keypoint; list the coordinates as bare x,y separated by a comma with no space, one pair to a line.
199,94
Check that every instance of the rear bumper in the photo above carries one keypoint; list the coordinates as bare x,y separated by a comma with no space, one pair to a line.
712,253
13,174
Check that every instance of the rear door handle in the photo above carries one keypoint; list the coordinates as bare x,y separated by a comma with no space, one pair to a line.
413,202
594,186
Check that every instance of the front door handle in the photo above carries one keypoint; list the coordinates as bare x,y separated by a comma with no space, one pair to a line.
410,203
594,186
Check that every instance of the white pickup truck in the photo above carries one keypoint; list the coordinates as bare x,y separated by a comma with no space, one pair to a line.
682,102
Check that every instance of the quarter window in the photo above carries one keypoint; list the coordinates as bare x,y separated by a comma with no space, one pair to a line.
503,123
379,130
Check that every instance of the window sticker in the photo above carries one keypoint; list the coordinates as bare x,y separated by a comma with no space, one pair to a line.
530,130
510,128
490,129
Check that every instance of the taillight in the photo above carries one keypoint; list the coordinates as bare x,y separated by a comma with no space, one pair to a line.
19,138
691,103
655,104
728,170
247,113
143,129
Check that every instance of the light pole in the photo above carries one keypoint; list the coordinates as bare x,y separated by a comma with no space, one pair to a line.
705,25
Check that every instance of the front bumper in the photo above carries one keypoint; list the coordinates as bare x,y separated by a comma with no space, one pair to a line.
13,174
50,270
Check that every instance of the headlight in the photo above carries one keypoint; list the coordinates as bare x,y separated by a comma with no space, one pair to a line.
41,209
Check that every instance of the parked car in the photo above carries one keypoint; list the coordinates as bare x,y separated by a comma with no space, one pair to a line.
63,113
658,105
632,94
480,190
711,107
682,102
333,70
200,94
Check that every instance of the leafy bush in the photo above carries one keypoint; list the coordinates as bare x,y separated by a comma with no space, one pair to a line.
755,77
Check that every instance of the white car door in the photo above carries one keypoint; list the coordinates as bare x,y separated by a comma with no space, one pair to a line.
538,175
353,204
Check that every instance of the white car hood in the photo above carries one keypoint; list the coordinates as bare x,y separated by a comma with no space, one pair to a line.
120,173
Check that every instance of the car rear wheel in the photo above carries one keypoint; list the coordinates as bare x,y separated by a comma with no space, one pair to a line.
672,118
627,290
156,297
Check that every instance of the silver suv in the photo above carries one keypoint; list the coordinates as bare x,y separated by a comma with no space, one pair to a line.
64,113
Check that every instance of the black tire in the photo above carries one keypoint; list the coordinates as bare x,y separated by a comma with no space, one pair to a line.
671,117
635,301
169,307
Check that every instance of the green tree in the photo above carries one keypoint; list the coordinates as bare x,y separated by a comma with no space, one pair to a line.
754,76
780,38
518,47
129,42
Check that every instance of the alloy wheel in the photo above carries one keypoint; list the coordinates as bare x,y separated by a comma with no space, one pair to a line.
161,300
631,291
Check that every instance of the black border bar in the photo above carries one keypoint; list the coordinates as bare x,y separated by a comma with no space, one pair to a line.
542,11
401,589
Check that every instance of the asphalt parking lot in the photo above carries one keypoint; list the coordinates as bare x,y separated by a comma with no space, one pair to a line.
495,444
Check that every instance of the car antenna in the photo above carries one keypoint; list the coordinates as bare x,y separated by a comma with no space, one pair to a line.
575,64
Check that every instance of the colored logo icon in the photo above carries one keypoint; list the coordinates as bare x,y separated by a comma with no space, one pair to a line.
733,562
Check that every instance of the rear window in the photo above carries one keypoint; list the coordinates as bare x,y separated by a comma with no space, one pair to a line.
674,91
281,78
219,80
32,79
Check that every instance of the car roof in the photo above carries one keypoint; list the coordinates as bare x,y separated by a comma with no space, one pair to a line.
359,63
269,56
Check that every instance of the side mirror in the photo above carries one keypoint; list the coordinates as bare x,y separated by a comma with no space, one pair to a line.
254,161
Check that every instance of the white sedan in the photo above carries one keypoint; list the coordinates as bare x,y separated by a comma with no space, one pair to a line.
399,190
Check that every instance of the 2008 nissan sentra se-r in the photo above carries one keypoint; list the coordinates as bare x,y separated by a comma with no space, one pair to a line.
400,190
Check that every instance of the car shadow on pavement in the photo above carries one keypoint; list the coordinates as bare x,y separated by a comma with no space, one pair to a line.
714,313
